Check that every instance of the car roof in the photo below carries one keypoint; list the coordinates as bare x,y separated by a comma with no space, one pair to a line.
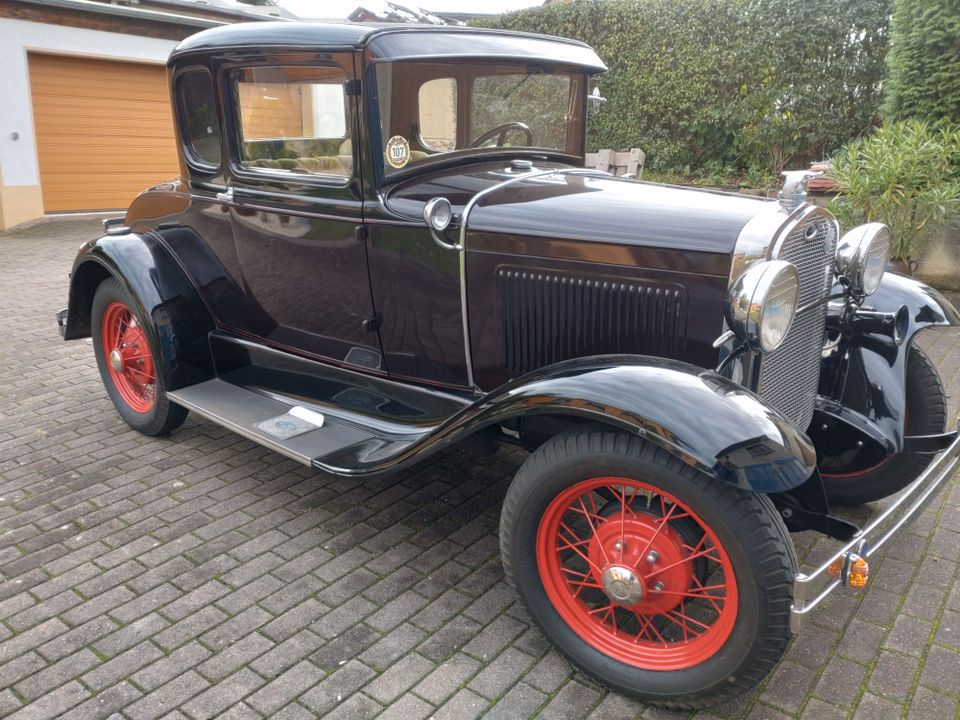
394,42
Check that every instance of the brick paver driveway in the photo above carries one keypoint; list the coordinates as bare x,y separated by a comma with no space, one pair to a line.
201,575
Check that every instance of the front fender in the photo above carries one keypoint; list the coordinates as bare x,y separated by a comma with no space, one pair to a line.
701,417
177,321
875,371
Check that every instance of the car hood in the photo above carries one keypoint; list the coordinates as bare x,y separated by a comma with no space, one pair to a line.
589,208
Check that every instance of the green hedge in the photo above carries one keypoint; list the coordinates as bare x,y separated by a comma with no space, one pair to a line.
707,84
924,61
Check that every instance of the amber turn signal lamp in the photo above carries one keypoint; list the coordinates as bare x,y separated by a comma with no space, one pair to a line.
835,567
859,572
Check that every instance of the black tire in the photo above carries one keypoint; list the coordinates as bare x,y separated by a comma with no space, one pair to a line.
926,415
748,528
163,416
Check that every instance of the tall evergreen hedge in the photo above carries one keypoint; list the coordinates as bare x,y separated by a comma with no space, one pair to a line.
743,83
924,61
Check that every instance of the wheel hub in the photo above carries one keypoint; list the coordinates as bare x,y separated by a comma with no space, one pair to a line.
639,564
116,360
622,585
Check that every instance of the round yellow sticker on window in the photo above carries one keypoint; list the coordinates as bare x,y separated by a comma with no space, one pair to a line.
398,151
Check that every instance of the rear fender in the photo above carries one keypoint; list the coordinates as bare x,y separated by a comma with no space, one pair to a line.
873,371
176,320
701,417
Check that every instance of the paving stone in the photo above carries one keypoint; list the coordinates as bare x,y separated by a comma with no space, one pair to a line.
408,707
909,635
892,676
398,678
465,705
228,660
335,687
941,668
841,681
872,707
550,673
522,701
122,666
788,685
447,678
286,687
504,671
43,681
931,705
212,702
166,697
54,704
170,666
861,641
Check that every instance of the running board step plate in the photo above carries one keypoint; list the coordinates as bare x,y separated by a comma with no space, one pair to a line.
292,430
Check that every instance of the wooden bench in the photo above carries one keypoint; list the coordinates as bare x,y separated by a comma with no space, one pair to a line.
628,162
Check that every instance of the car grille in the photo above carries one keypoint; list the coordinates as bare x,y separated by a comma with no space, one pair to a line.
789,376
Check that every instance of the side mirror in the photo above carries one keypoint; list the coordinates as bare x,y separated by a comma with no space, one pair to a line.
595,99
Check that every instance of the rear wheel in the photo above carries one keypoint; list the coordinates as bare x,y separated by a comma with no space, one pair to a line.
653,578
129,365
848,481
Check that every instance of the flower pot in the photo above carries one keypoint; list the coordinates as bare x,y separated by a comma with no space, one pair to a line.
904,267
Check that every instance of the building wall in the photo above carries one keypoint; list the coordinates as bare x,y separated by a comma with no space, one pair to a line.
20,194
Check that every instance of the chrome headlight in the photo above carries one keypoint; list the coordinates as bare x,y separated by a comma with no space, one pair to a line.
762,304
862,256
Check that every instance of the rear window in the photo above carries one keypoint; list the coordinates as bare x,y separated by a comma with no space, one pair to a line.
294,120
198,110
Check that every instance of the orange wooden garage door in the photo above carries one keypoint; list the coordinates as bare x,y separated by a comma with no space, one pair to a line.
104,131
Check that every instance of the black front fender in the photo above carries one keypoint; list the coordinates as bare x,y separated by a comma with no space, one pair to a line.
177,321
701,417
871,375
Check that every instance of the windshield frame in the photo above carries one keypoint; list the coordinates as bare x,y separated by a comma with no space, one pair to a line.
579,82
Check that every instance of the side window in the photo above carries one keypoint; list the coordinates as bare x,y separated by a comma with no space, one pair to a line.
437,103
294,120
198,111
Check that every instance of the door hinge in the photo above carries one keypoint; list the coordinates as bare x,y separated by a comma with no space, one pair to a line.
352,88
361,233
372,324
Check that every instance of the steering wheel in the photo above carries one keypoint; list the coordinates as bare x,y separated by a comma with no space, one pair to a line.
500,132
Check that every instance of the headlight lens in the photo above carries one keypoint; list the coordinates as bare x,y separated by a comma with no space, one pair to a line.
862,256
763,302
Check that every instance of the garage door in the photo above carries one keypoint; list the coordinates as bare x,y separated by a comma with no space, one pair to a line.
104,131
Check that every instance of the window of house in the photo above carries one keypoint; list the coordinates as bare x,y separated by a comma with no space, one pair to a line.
198,108
437,104
294,120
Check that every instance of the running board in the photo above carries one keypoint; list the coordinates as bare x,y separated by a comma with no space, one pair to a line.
295,431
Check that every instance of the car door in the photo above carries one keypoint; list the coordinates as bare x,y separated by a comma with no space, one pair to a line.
297,209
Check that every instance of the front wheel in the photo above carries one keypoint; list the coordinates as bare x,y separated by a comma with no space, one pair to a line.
129,365
658,581
850,479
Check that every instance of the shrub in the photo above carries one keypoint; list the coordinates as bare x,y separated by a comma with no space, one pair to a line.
924,61
904,176
744,83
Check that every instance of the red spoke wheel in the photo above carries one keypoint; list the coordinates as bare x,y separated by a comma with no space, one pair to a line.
129,358
128,365
627,581
654,578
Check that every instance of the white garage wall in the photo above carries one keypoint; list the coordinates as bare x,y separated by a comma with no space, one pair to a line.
18,158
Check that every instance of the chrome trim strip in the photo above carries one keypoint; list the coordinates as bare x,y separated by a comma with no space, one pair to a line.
808,593
467,209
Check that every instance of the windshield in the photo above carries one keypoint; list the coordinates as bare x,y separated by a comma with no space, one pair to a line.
432,109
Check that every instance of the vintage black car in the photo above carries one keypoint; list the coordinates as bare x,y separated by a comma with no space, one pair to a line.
384,242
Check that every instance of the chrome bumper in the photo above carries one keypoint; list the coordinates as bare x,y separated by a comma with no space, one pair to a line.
809,590
62,321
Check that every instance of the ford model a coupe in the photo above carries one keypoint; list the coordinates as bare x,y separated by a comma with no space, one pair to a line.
384,242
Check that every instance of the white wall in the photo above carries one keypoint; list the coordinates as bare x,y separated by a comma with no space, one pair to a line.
18,158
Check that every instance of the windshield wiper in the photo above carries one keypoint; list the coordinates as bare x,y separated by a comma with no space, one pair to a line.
517,86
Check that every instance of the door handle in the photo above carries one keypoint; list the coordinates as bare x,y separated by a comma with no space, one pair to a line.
226,196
